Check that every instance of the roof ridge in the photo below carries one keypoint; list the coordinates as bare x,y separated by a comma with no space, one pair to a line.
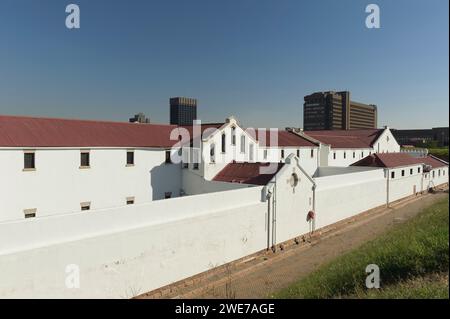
79,120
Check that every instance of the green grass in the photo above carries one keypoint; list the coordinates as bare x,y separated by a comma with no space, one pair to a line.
417,248
439,152
433,286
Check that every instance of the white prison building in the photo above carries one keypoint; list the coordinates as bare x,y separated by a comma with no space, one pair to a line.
149,197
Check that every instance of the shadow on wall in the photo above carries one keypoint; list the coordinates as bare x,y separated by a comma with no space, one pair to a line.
164,181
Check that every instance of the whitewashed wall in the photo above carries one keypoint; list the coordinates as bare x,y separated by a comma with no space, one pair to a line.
274,155
58,185
340,196
345,157
386,143
404,186
292,203
439,177
193,184
129,250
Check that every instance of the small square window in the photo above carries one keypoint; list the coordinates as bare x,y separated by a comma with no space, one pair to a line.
30,213
195,166
29,161
130,158
85,160
167,195
130,200
85,206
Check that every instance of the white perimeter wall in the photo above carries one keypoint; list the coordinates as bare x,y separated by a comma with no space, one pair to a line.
407,185
344,195
125,251
58,185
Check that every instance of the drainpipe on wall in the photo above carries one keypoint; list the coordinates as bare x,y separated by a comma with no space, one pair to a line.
274,218
314,207
387,187
269,197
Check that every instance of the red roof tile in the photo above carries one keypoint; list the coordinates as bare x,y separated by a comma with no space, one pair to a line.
347,138
285,139
246,173
391,160
18,131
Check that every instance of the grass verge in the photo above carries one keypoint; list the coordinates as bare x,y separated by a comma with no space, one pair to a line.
442,153
417,248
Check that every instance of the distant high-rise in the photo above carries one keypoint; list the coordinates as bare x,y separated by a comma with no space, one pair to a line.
183,110
139,118
336,111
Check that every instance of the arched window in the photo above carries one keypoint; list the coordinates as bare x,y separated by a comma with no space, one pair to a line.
242,143
224,139
212,151
233,135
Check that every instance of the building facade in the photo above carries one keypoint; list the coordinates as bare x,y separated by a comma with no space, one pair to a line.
336,111
183,110
423,137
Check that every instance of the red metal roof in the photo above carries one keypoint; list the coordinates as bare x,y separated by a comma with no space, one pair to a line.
246,173
433,162
285,139
18,131
391,160
347,138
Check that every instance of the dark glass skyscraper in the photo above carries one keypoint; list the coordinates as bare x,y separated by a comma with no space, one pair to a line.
183,110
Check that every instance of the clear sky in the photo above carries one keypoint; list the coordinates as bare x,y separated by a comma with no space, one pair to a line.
254,59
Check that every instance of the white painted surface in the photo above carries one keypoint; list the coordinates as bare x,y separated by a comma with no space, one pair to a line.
130,250
340,196
58,185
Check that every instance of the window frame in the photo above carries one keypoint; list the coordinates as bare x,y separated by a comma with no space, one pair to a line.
84,152
25,154
133,158
29,211
85,206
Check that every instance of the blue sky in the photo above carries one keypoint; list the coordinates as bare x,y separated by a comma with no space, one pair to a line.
254,59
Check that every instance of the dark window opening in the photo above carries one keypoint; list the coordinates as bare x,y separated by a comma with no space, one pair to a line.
223,143
282,153
403,172
85,159
392,174
168,159
29,161
130,158
167,195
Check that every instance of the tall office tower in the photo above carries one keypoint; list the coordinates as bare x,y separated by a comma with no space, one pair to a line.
183,110
336,111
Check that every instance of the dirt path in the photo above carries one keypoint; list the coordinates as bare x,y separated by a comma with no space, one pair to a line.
274,273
